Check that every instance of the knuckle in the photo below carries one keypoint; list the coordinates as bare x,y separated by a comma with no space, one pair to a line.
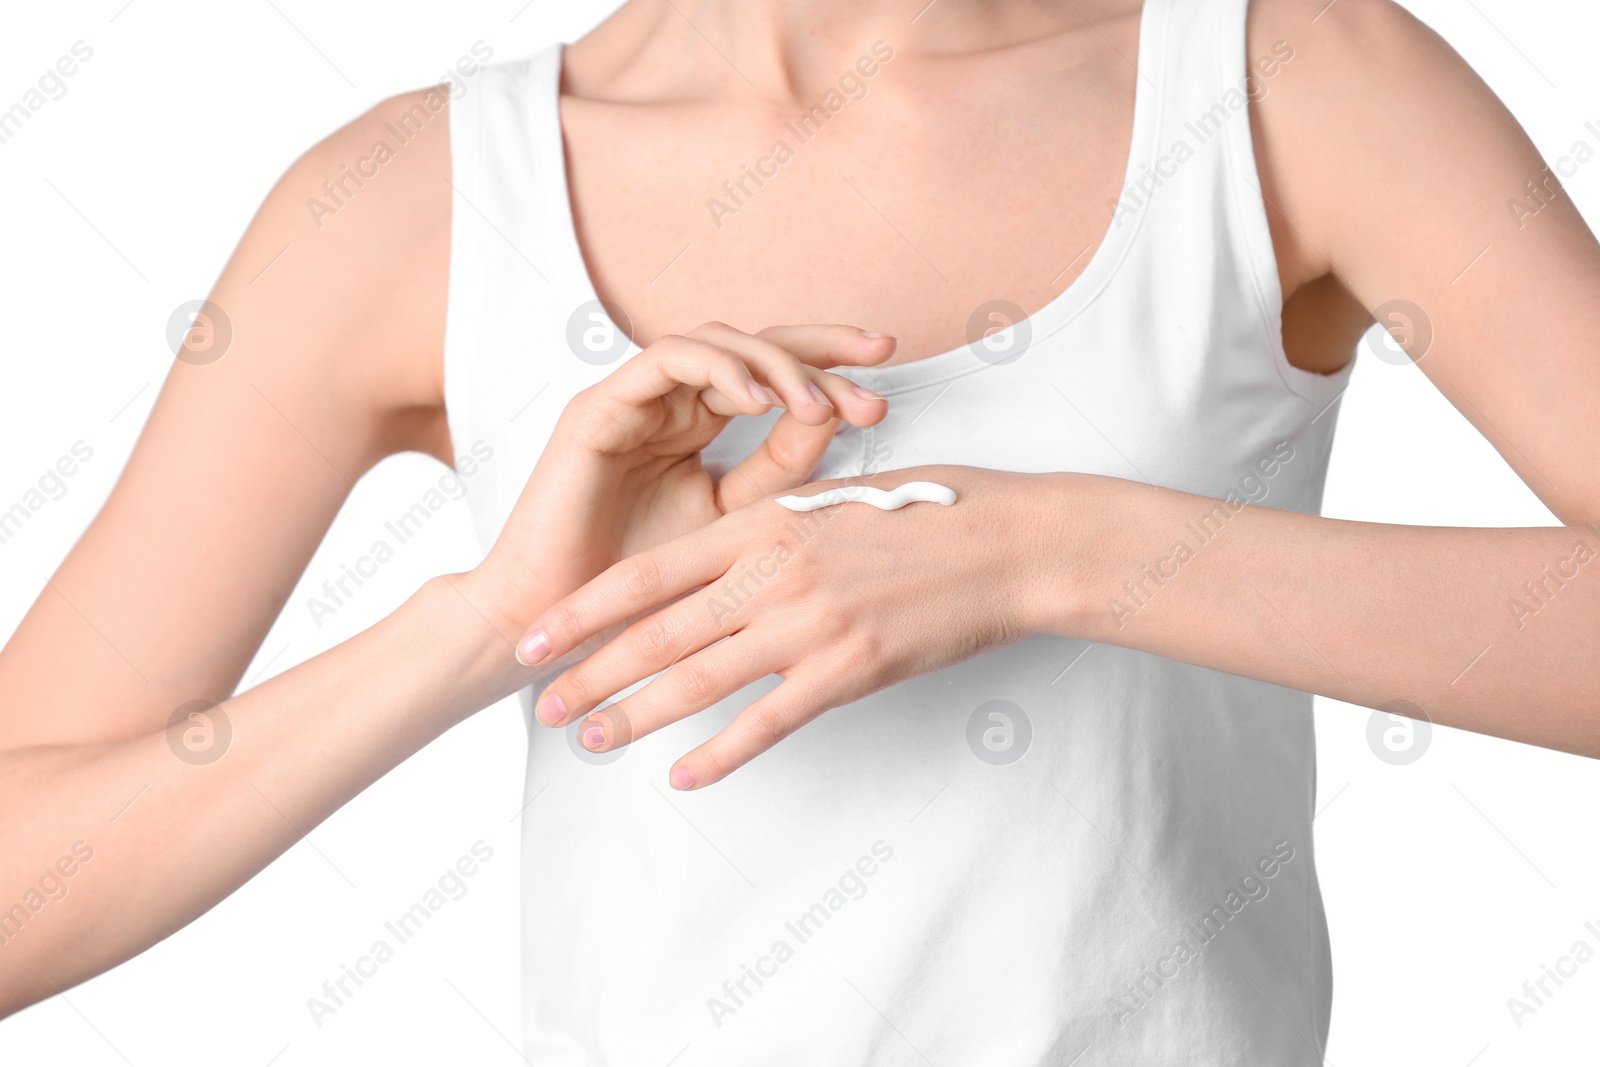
566,622
866,647
788,372
831,627
653,640
669,345
802,575
642,577
786,455
768,725
712,764
696,683
576,687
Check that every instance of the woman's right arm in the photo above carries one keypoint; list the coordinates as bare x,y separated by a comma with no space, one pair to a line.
335,362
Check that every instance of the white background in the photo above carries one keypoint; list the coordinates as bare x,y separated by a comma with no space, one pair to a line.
1448,882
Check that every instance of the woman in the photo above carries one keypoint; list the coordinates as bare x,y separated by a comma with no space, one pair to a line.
1103,264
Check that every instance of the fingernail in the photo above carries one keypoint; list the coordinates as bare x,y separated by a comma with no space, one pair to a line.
871,334
818,395
551,709
759,391
683,778
594,736
867,394
535,647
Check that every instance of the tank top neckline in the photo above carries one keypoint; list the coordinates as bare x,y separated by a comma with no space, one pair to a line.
571,269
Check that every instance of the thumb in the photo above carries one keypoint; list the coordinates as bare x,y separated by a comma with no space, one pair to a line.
784,460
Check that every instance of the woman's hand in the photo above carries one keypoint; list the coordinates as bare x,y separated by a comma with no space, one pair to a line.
623,472
841,602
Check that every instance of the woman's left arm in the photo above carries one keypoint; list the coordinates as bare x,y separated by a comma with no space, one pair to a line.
848,600
1388,165
1407,181
1393,168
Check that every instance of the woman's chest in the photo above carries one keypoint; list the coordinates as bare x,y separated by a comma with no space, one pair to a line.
901,205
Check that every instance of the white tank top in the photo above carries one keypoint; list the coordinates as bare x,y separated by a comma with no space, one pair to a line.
1053,850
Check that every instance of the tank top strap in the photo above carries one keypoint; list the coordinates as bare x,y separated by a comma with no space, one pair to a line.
510,293
1191,68
1202,73
1195,197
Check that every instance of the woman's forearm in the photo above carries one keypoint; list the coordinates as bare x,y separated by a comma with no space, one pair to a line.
1488,630
153,834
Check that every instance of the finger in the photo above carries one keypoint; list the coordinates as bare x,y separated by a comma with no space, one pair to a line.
857,404
783,372
689,686
755,729
653,643
812,394
783,367
835,395
825,346
629,588
724,377
783,460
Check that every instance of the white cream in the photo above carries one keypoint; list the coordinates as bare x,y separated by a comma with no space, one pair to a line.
883,500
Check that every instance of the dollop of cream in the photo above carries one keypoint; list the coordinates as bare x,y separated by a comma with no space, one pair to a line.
882,499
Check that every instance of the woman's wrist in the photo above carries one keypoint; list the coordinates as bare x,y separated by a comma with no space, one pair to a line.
472,638
1074,526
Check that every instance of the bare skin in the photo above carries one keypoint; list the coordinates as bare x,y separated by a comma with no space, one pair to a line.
337,363
903,255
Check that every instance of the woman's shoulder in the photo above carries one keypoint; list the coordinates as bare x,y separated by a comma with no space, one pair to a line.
1364,105
359,226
